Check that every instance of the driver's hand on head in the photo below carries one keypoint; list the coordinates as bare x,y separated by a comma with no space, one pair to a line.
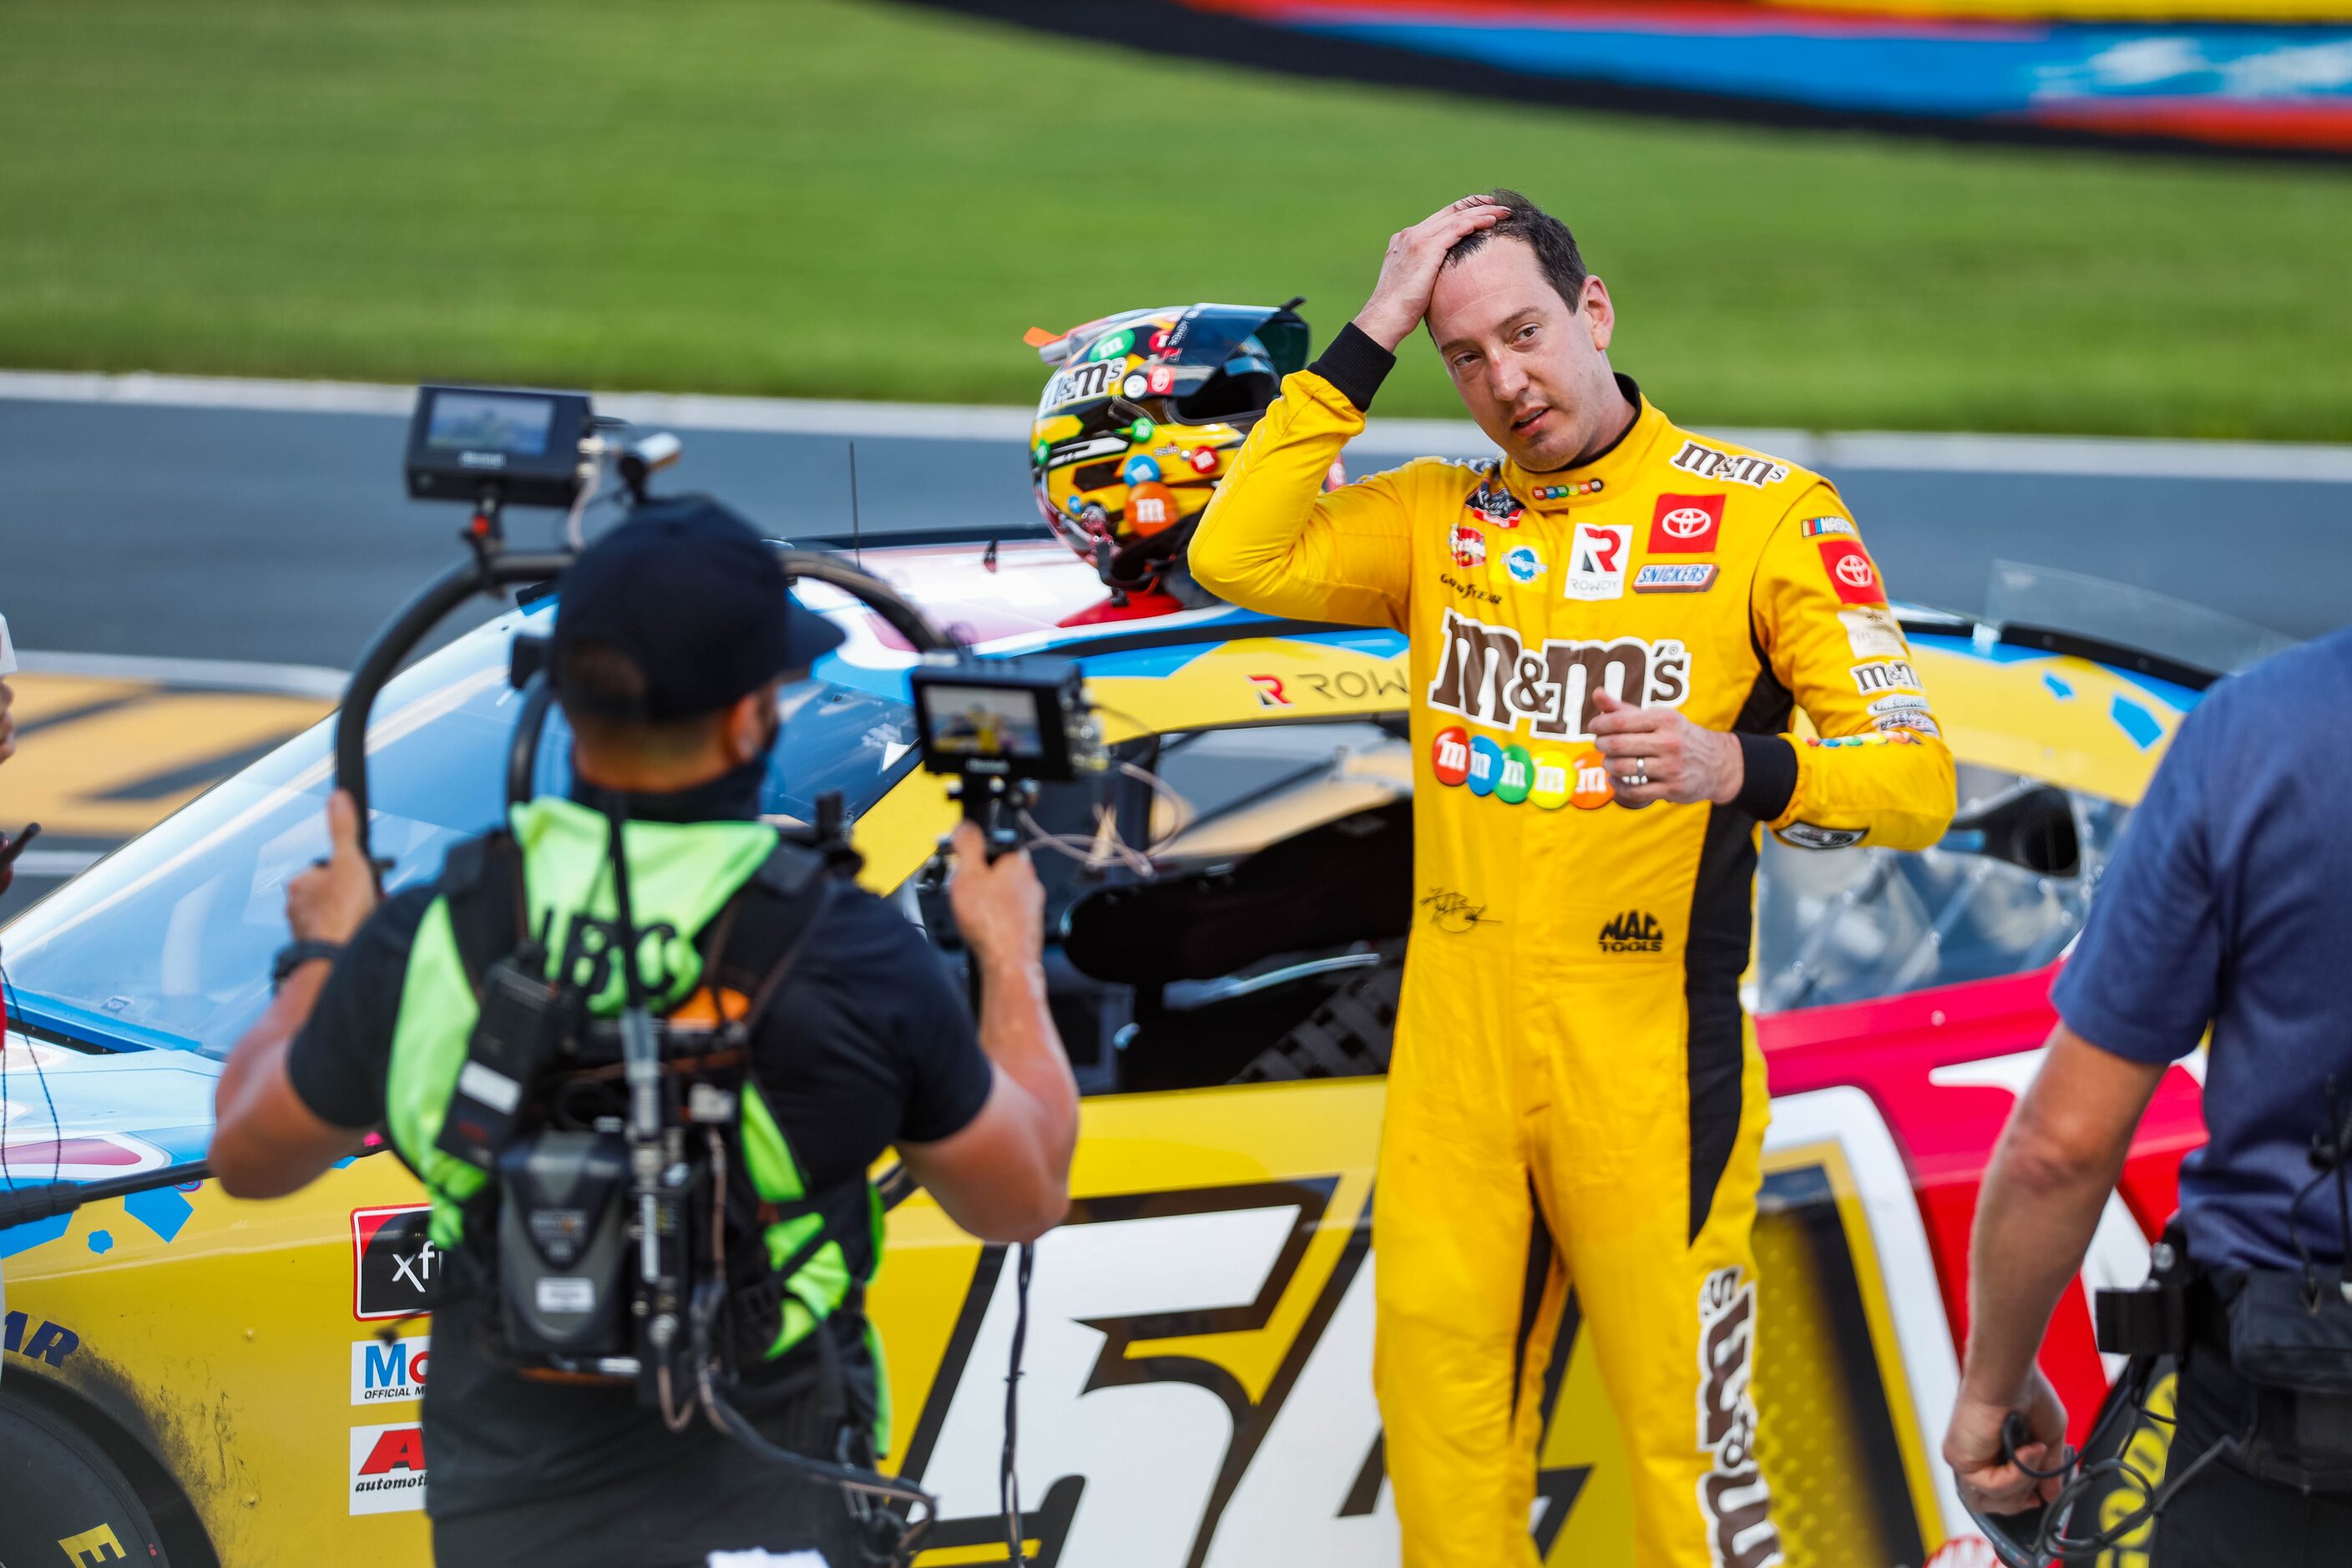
330,899
1989,1483
1409,270
1000,908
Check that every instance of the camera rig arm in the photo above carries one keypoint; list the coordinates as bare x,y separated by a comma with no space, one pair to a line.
493,571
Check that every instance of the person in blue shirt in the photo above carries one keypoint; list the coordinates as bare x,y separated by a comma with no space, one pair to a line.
2229,905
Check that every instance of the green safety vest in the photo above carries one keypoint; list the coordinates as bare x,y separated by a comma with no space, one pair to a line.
681,874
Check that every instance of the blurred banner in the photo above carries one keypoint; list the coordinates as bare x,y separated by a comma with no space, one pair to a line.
2275,74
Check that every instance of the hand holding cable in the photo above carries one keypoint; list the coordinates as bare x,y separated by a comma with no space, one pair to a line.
1997,1471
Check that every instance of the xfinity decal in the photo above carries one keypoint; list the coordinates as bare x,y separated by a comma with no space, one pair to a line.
1488,677
395,1264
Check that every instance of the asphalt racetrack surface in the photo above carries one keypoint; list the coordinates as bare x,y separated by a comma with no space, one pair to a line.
283,537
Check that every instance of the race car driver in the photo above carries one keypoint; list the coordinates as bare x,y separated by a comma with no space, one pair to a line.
1610,628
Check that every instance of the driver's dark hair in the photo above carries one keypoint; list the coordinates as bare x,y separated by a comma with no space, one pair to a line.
1555,246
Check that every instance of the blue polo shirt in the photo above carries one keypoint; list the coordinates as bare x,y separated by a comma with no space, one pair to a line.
2229,902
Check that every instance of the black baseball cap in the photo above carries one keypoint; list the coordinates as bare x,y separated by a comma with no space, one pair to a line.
687,593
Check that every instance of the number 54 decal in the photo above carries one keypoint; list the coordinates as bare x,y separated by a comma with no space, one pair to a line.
1166,1460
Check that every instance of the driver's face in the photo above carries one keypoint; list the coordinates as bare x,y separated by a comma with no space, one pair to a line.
1531,368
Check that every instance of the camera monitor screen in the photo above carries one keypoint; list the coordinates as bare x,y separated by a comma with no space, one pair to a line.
490,422
995,723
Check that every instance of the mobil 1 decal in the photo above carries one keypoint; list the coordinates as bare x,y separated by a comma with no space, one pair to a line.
1170,1460
1488,676
390,1370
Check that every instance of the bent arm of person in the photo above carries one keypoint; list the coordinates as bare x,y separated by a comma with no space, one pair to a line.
2057,1161
302,1087
1273,539
2135,996
267,1143
1833,642
1004,1174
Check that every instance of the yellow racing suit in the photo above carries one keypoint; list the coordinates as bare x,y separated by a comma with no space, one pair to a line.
1576,1098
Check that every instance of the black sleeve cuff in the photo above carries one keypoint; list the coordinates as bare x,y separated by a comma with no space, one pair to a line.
1356,365
1771,775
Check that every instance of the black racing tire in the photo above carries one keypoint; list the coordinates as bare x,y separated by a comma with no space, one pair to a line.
1349,1036
57,1484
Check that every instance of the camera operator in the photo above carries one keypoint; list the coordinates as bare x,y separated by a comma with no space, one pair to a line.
673,635
2228,903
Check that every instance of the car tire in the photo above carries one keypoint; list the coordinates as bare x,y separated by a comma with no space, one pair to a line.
59,1491
1349,1036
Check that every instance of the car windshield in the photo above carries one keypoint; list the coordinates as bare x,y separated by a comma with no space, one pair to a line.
168,941
1842,925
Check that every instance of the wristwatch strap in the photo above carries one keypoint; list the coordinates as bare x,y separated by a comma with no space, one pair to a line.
295,955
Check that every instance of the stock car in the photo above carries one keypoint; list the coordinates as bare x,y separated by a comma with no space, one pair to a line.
194,1379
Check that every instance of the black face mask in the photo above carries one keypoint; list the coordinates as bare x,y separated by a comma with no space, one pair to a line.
732,796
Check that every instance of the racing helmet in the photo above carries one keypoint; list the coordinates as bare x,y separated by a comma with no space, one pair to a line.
1142,413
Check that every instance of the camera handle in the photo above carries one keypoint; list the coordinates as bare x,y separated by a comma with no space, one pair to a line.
491,570
994,806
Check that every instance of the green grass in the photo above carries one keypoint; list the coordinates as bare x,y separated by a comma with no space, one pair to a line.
837,200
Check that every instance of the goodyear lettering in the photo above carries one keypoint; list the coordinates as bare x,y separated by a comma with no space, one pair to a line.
47,1343
1732,1496
1487,677
1470,590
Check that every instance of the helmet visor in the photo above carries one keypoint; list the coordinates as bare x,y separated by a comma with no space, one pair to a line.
1216,361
